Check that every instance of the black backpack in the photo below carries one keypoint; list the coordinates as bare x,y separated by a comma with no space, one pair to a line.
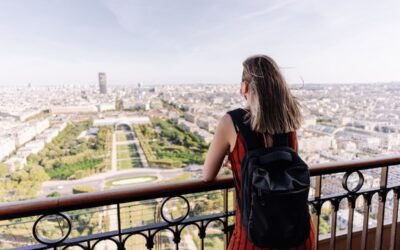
275,182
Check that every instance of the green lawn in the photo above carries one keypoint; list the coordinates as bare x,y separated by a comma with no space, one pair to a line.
123,154
127,156
128,163
121,137
124,182
124,137
124,147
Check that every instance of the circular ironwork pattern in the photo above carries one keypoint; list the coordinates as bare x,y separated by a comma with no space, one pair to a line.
179,219
48,241
359,184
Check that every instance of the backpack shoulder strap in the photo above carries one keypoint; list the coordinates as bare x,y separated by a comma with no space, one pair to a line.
281,140
242,125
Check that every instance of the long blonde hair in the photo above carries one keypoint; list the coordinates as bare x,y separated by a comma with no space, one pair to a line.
273,109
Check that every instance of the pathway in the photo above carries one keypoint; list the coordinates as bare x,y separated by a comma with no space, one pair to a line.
114,153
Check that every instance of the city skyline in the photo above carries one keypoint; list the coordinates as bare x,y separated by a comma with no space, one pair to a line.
340,123
65,42
62,141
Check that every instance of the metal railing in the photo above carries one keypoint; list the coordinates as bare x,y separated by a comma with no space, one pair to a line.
186,214
352,194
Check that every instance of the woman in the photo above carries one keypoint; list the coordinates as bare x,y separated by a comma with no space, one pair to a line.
271,110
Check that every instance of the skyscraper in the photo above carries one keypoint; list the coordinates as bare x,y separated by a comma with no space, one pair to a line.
103,83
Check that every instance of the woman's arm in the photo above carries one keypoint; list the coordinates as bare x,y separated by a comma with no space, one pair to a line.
218,149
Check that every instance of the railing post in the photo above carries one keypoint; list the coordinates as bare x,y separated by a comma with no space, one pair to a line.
120,246
157,219
393,231
203,234
150,240
177,237
317,208
334,209
367,203
351,201
381,209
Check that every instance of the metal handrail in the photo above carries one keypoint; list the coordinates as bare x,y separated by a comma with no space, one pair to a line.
19,209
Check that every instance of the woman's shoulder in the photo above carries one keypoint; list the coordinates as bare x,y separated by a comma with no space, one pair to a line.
227,121
227,127
237,115
239,110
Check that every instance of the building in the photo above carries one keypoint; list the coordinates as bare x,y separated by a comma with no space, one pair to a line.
7,146
204,135
156,104
317,143
102,83
25,134
203,123
190,117
310,120
106,107
74,109
42,125
187,125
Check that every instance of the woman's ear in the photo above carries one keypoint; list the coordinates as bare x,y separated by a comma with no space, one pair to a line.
241,90
246,88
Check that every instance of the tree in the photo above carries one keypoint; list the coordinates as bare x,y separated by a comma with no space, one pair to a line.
82,189
54,194
3,170
37,173
20,176
33,158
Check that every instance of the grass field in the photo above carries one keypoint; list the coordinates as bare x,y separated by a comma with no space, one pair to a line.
128,163
127,155
124,137
124,182
121,137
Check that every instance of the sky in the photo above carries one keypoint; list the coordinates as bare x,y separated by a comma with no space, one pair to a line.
45,42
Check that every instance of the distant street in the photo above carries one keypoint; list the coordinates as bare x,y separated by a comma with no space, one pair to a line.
98,181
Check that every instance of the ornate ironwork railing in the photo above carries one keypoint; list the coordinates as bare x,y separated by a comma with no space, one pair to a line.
347,199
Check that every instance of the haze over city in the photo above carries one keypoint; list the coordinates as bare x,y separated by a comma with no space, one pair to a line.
159,42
